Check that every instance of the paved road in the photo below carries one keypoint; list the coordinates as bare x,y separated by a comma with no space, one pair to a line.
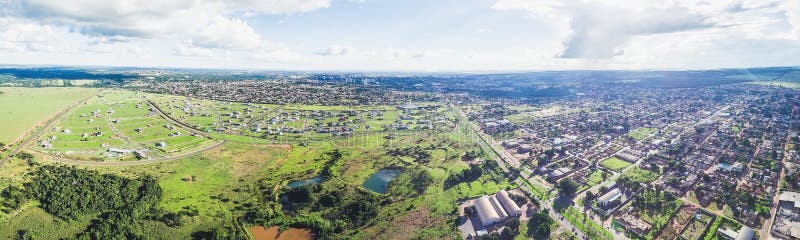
564,225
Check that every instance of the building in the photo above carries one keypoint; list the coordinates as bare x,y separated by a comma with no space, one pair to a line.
495,208
509,204
609,197
486,211
745,233
790,199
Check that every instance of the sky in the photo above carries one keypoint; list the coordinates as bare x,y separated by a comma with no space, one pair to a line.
402,35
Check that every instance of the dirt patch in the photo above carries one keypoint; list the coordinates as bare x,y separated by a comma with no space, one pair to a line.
245,161
678,222
416,219
261,233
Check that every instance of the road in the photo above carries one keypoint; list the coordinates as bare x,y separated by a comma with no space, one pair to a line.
41,131
563,224
140,162
65,112
175,121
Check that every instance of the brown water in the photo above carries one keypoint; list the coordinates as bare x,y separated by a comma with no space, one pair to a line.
272,233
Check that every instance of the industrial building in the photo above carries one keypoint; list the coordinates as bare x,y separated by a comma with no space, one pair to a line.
496,208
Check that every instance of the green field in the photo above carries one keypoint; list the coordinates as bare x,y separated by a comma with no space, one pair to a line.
22,108
249,174
614,163
641,133
116,119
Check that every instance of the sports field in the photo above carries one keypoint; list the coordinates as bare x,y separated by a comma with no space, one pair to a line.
614,164
22,108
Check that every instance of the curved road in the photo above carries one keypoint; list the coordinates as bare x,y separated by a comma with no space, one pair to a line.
133,163
24,144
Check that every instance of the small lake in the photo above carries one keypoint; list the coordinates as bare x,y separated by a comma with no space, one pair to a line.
379,182
301,183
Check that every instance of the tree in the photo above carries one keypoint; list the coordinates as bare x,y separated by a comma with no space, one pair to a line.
539,225
589,196
568,187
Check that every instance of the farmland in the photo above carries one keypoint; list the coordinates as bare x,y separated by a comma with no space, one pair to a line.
19,113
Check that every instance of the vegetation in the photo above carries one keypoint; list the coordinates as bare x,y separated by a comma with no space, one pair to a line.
411,182
466,175
540,225
568,187
614,163
585,224
21,114
656,207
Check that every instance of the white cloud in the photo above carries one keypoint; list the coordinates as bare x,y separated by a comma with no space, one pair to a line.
792,12
278,6
188,49
335,50
603,29
226,33
18,35
210,24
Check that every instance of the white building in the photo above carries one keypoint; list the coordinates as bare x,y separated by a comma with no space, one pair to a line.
486,211
510,206
609,197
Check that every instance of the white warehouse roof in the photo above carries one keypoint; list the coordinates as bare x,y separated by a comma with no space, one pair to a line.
486,211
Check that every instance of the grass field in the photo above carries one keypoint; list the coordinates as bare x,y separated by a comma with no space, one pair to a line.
22,108
586,224
614,163
116,119
641,133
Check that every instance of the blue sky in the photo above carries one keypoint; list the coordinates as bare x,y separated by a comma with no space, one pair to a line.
408,35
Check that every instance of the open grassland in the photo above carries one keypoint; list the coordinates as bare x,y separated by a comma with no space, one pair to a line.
212,184
221,184
42,225
22,108
121,120
614,163
244,182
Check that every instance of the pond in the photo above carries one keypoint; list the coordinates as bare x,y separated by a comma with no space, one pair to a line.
305,182
379,182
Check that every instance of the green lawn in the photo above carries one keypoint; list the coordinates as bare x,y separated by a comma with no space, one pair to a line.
586,224
614,163
641,133
19,113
